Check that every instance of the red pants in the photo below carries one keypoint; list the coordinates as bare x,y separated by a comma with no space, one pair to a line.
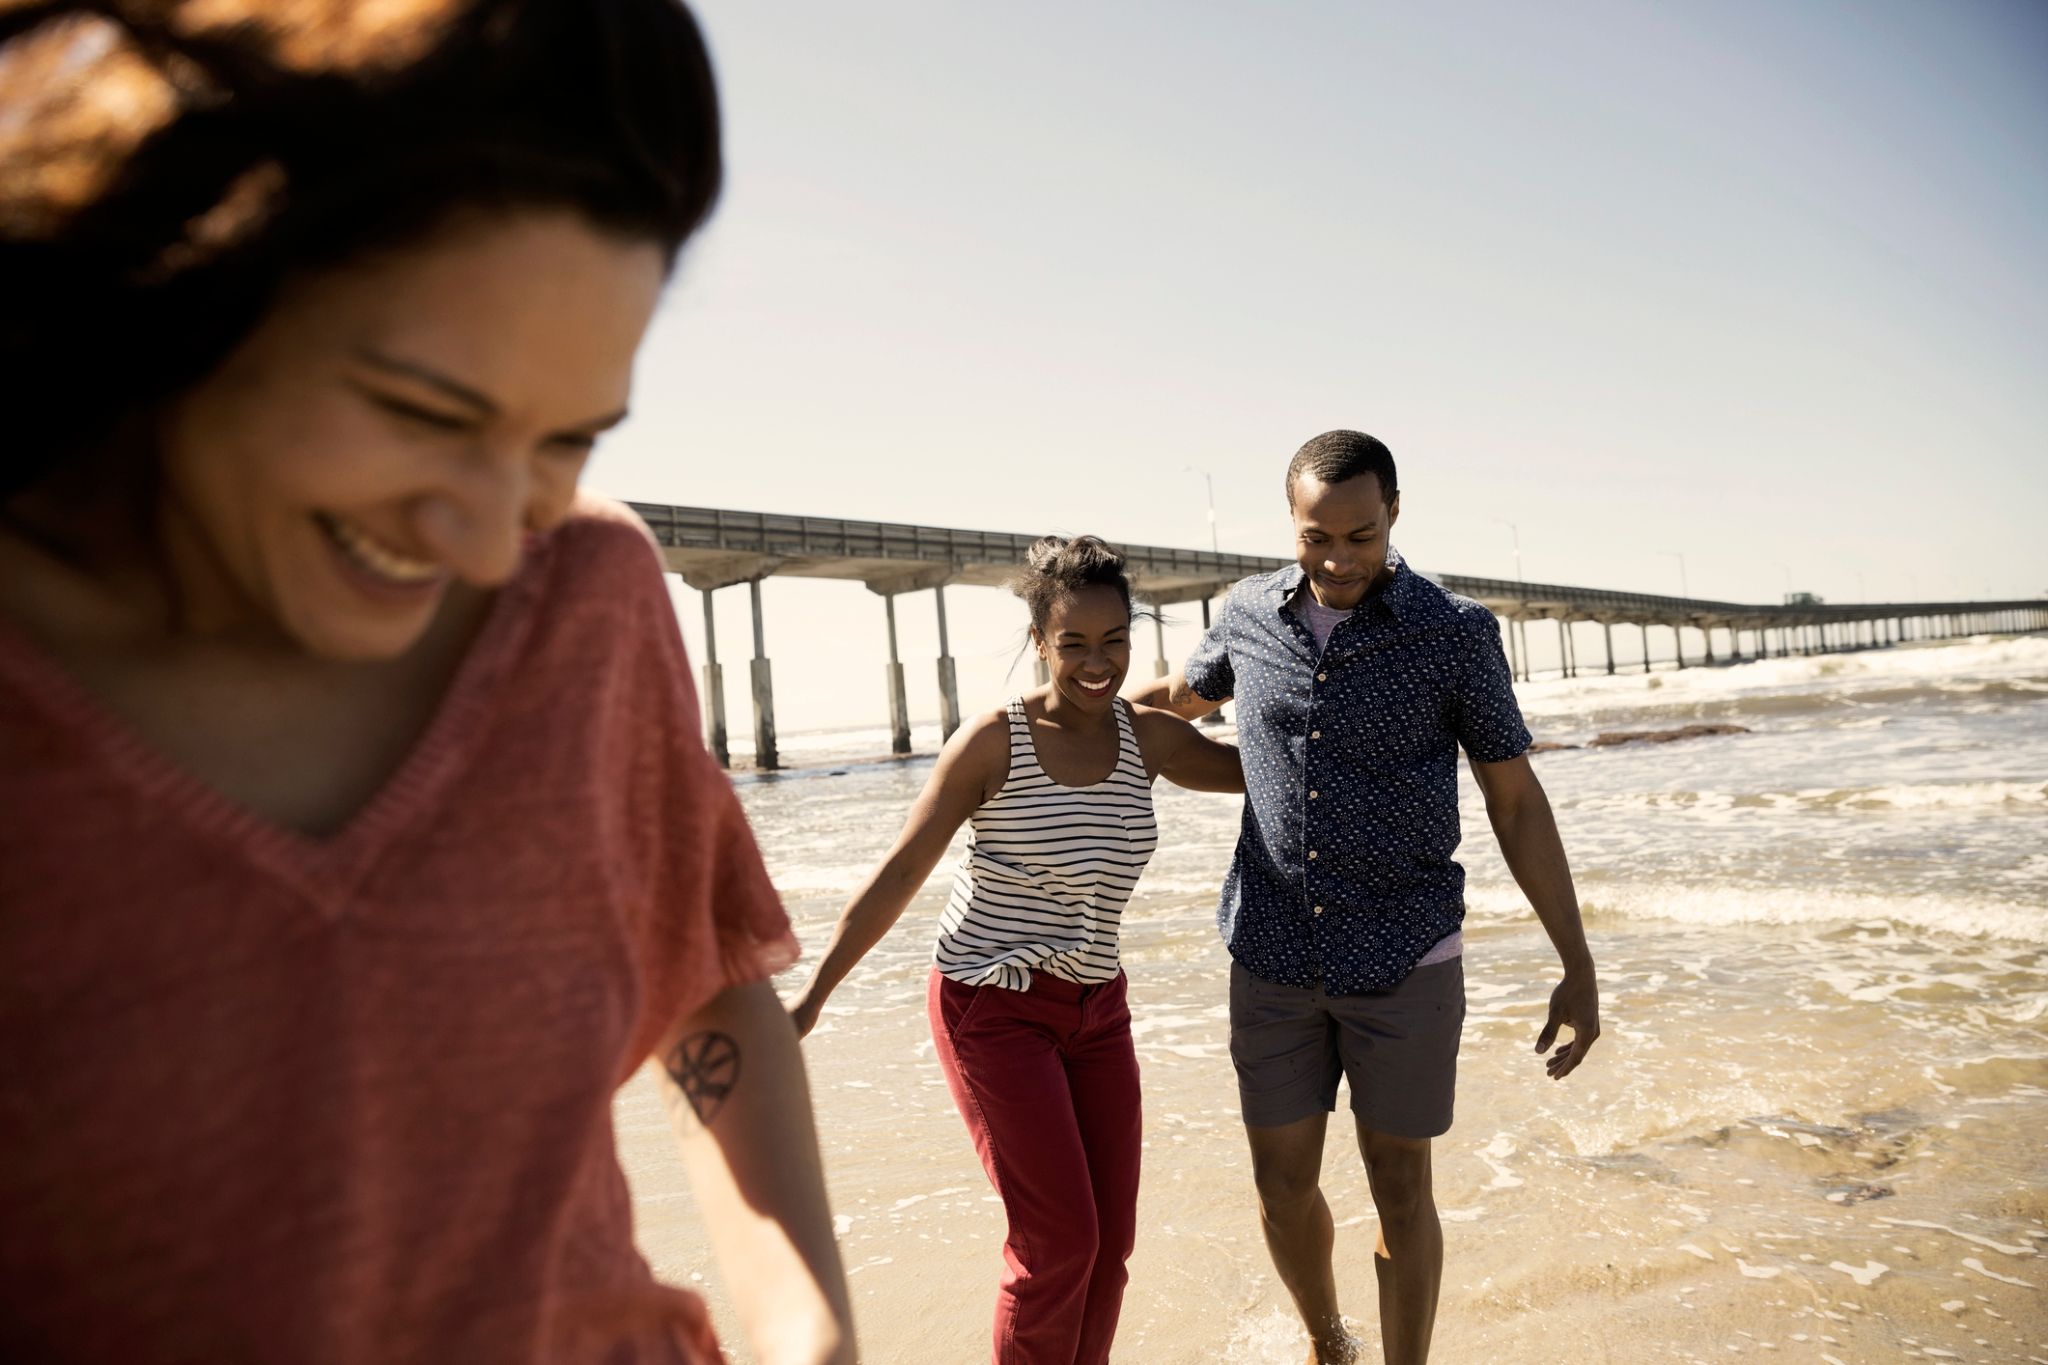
1048,1083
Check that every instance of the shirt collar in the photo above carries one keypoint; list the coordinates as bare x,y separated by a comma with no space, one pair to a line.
1396,595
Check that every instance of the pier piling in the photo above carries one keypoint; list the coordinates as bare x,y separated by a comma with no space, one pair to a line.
899,704
765,756
714,690
949,681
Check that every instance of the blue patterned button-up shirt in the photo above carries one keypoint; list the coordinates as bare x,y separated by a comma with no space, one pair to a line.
1343,872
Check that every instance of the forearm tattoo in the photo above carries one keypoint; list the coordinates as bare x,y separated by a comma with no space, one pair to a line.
705,1067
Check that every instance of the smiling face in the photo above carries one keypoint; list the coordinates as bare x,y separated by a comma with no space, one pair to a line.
398,426
1086,643
1340,536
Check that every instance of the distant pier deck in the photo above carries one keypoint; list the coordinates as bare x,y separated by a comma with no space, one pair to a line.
713,548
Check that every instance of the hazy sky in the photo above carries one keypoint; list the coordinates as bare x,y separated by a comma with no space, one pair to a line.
1762,284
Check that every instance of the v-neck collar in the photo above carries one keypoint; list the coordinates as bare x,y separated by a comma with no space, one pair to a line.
326,870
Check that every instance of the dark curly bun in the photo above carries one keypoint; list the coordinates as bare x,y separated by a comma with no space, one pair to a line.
165,165
1056,567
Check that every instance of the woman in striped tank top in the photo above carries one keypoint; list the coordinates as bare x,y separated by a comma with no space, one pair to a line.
1026,996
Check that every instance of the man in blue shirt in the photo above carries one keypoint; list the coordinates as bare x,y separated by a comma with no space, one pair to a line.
1356,682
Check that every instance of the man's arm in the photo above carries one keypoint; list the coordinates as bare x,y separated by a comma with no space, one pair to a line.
1522,821
741,1110
1172,693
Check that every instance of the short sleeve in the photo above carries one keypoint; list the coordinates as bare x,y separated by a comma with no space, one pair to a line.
1209,671
705,914
1486,716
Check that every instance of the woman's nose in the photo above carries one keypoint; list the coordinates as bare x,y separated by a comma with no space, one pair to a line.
476,523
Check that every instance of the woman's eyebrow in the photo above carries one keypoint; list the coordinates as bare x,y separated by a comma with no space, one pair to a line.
432,378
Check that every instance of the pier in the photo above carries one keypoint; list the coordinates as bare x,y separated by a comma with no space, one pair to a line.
714,548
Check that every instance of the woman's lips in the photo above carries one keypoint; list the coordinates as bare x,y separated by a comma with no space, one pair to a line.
375,567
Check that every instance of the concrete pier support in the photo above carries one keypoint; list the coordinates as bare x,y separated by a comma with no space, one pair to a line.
1158,646
1707,634
1678,643
1507,631
765,757
899,704
1607,637
1643,629
949,680
707,578
1564,649
714,690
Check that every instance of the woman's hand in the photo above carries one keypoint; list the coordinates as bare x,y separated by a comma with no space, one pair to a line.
804,1011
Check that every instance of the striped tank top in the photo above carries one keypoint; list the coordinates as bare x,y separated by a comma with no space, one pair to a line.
1047,870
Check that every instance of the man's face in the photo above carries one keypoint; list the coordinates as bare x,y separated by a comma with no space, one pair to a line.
1340,536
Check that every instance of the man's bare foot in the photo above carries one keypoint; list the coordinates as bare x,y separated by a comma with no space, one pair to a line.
1345,1350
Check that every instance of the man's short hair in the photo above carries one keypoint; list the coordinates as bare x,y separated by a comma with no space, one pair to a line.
1336,456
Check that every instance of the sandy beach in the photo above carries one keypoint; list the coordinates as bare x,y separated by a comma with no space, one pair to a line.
1812,1131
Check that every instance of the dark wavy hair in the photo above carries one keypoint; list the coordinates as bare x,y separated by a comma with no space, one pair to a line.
166,167
1056,567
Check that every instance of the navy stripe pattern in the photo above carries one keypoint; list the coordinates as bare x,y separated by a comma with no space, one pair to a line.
1048,869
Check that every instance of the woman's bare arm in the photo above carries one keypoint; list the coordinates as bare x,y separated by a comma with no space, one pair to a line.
741,1109
970,769
1184,756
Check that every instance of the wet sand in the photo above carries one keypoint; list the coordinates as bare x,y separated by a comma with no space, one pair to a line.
1690,1195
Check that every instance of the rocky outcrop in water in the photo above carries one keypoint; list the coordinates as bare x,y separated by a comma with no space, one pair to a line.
1609,738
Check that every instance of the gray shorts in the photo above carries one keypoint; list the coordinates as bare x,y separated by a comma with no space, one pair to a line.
1398,1048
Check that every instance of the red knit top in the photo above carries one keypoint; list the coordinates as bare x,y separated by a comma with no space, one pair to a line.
265,1096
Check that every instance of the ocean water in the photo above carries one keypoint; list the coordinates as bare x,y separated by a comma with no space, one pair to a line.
1815,1127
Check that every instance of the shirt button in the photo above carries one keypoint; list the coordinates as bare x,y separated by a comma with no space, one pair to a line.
1319,909
1313,795
1322,677
1311,853
1315,734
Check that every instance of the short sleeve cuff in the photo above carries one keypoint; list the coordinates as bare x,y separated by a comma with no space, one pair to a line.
1207,677
1501,748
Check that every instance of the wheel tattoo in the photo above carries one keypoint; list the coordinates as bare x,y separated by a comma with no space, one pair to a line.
705,1067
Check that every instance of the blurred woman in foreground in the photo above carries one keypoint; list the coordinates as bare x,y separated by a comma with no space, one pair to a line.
358,842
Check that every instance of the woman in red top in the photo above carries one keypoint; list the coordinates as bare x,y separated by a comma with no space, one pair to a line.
356,839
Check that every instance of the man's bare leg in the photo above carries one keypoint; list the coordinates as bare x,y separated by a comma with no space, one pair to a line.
1410,1262
1287,1165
